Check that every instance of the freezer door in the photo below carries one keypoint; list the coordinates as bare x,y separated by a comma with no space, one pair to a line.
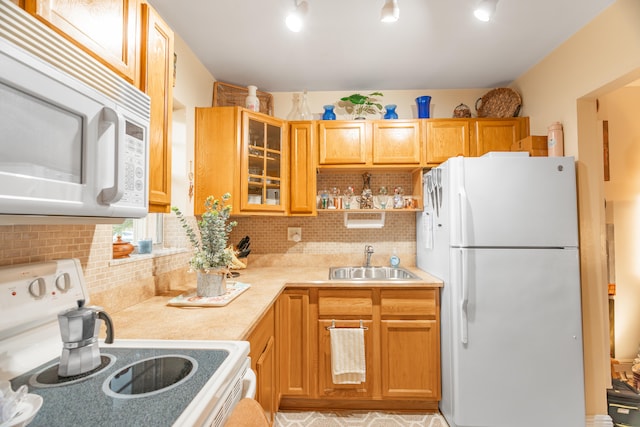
513,202
516,338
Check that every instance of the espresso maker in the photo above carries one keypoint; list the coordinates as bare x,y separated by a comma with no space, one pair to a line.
79,329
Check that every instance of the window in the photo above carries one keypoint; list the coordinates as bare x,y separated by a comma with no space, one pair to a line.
133,230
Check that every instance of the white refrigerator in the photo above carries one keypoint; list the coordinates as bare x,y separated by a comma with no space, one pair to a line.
501,231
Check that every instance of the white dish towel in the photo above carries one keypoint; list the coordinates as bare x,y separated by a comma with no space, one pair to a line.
348,365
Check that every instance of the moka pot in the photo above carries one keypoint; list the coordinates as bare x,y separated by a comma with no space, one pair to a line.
79,329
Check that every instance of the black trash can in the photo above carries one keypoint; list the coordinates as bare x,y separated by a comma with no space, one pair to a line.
624,404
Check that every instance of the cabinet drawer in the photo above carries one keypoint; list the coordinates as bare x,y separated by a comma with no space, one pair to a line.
417,304
345,303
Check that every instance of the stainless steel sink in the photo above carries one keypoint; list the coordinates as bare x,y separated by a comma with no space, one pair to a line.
370,273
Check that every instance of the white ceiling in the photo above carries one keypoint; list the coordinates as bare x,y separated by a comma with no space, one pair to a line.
436,44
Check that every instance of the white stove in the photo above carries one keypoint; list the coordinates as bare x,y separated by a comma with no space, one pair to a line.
140,382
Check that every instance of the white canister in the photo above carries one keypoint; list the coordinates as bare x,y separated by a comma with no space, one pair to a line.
252,102
555,140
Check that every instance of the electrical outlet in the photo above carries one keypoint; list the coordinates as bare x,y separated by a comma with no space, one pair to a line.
294,234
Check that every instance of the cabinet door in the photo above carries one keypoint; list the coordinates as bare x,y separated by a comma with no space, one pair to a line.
294,343
266,379
302,175
342,142
446,138
410,358
327,388
263,163
410,343
496,134
156,80
262,353
216,158
396,142
106,29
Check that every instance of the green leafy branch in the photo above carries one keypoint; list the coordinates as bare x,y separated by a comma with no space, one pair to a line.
210,244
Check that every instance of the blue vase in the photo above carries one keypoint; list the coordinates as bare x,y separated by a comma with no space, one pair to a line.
423,106
328,113
391,112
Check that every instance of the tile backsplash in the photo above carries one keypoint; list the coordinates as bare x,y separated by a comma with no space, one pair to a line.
119,283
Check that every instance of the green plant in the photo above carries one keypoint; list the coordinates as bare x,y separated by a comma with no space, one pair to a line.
210,244
363,104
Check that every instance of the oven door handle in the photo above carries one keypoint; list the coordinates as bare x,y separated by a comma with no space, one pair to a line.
249,384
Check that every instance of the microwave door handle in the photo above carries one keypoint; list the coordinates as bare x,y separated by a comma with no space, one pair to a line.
110,195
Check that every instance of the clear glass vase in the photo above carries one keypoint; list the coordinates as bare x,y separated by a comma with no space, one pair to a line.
294,114
305,111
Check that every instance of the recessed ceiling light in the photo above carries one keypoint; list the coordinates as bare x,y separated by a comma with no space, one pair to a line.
295,20
390,11
485,10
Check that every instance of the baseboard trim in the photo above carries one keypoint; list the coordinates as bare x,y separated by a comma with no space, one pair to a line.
599,421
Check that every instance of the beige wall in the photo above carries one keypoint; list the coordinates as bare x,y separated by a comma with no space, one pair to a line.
620,108
194,88
602,56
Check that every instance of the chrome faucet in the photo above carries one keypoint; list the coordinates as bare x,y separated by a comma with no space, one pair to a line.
368,251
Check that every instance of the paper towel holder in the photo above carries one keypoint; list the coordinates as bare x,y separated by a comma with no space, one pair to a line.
364,223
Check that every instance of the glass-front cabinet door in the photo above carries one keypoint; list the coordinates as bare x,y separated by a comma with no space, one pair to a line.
263,160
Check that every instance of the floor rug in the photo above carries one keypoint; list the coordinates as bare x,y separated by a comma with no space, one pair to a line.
358,419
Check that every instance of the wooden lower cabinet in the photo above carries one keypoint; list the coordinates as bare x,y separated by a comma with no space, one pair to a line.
294,341
402,347
406,371
263,362
326,386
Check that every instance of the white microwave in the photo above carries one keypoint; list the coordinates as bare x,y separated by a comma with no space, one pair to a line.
67,148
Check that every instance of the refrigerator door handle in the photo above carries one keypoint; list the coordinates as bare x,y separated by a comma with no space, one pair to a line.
464,300
463,201
462,206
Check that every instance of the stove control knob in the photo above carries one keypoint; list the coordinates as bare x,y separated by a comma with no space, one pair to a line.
38,288
63,282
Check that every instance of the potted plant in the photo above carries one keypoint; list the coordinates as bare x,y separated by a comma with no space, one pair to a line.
361,105
211,257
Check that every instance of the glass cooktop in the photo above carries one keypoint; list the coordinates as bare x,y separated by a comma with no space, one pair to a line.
154,386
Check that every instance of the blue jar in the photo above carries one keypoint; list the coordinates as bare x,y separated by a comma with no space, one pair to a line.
328,113
390,112
423,106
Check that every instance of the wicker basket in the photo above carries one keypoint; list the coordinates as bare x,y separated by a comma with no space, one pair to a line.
228,95
501,103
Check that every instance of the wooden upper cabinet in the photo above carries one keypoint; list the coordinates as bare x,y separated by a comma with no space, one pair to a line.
156,80
360,143
497,134
106,29
396,142
302,179
343,142
446,138
244,153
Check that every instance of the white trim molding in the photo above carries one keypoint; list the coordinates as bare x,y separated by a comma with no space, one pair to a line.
599,421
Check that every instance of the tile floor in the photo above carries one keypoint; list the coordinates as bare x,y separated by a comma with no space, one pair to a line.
357,419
